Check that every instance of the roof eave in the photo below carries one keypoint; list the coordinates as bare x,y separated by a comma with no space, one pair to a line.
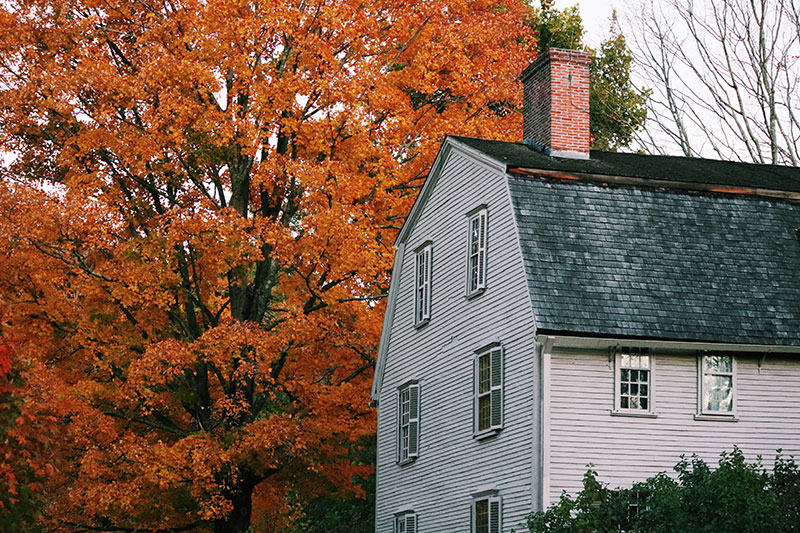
563,339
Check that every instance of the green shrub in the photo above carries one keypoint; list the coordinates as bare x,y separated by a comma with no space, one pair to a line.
735,497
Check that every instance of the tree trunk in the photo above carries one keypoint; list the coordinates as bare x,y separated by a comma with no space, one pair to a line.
238,521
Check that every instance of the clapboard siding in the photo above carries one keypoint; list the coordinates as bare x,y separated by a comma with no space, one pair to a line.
624,449
451,464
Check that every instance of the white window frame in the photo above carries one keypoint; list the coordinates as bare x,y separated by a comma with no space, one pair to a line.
405,522
495,524
479,215
495,393
422,284
701,373
619,359
407,423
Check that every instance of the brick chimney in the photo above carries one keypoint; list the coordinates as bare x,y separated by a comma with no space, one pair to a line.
556,103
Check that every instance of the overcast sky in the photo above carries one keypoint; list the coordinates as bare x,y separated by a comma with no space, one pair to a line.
596,15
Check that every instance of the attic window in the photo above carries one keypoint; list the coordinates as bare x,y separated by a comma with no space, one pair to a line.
476,252
422,285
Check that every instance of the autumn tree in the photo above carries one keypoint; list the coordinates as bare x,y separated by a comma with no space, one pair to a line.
20,472
617,107
197,207
726,75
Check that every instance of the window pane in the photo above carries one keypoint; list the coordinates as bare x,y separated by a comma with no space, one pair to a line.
718,364
474,236
482,516
718,392
634,383
484,412
484,374
405,406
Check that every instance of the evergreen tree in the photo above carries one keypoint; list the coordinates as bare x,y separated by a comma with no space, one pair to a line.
617,108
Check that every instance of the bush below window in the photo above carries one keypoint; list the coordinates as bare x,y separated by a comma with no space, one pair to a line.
736,496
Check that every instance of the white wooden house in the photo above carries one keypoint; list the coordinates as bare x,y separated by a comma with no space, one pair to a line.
553,307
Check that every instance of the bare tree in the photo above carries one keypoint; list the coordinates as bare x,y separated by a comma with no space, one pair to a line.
725,76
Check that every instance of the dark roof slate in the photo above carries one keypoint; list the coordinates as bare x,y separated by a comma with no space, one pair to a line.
635,261
668,168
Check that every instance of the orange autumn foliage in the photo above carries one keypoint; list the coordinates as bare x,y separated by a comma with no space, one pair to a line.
197,212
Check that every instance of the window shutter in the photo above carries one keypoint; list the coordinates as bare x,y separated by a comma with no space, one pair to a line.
497,388
422,284
482,250
494,515
475,396
411,523
398,437
472,517
428,281
413,424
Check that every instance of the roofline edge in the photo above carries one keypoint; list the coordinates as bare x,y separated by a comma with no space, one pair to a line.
650,182
573,340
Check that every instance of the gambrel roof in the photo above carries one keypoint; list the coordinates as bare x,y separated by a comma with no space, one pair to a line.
647,247
692,249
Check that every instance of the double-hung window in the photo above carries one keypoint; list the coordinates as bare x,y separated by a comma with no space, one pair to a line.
634,381
476,252
486,514
488,391
717,385
408,423
405,523
422,285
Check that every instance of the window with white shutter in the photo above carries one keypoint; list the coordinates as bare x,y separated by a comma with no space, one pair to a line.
422,285
476,252
487,514
405,523
408,423
488,391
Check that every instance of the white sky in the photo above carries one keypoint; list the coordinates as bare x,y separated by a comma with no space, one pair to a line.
596,15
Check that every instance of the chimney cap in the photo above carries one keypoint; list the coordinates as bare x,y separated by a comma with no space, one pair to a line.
557,55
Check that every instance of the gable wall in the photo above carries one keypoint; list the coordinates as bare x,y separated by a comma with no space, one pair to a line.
451,464
624,449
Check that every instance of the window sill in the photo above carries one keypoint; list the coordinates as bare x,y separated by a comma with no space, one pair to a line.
716,418
485,434
408,461
634,414
422,323
475,294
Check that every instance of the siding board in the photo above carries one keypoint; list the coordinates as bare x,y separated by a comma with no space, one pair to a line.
451,464
624,450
